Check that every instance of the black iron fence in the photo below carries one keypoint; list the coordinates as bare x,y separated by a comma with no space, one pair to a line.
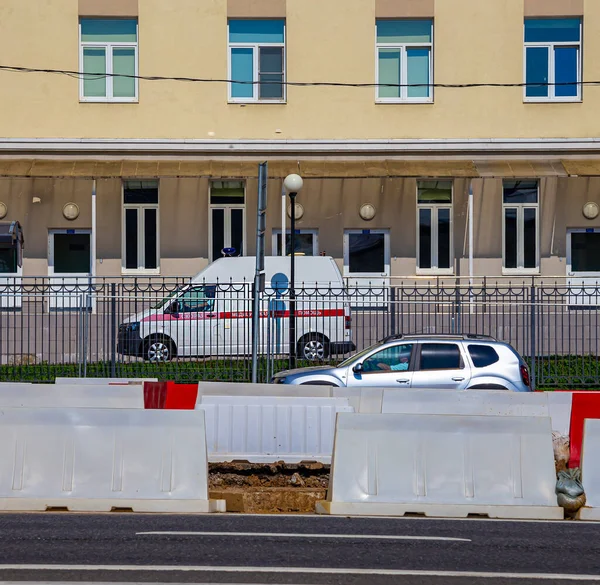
172,328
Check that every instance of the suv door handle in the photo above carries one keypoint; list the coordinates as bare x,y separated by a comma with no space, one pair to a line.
403,381
458,379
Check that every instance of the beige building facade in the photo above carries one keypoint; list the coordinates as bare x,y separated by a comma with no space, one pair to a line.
448,138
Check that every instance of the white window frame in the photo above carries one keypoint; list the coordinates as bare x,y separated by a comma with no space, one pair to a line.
404,69
552,70
227,207
386,254
435,207
520,207
141,269
255,70
570,232
109,47
277,234
51,252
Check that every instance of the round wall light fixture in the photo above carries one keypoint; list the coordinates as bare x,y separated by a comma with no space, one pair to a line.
367,211
71,211
3,210
298,211
590,210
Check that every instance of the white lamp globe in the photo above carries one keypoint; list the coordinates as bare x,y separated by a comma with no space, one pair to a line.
293,183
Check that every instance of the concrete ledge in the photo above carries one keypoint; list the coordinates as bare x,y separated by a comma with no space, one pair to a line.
441,511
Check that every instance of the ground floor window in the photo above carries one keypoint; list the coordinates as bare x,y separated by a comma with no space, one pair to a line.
69,252
584,251
367,252
520,208
434,235
140,226
227,219
306,242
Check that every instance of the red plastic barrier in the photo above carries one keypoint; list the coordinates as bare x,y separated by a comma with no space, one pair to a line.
585,405
170,396
181,396
155,394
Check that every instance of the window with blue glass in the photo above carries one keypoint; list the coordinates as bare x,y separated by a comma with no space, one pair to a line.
404,60
108,59
256,60
553,59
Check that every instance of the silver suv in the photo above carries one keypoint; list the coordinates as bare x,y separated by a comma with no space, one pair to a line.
455,362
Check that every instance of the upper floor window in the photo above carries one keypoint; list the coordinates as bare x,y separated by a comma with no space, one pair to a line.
553,59
108,58
521,226
404,60
434,239
256,60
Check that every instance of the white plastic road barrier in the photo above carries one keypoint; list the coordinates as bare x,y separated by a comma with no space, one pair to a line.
590,470
104,381
102,459
71,396
449,466
559,407
264,429
245,389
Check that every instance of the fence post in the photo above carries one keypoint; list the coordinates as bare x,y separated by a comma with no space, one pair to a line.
113,330
532,325
393,310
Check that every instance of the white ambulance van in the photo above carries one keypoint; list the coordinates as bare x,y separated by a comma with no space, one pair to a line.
212,316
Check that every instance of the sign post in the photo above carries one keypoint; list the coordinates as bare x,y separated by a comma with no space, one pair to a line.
259,277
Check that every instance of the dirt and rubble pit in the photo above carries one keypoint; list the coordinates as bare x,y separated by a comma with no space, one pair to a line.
269,488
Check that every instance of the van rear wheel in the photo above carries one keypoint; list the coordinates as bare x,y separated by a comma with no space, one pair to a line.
313,347
159,350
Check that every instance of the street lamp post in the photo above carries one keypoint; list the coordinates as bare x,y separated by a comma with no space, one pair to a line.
292,185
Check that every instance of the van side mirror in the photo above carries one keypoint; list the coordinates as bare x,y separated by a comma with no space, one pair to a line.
358,369
174,308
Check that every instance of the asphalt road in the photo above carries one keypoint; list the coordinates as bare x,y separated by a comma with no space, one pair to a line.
293,550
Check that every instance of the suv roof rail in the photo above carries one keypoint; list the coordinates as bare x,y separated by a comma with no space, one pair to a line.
438,336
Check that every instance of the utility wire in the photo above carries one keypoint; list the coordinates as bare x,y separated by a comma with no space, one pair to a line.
94,76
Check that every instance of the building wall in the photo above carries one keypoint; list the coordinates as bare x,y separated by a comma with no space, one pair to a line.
474,41
330,205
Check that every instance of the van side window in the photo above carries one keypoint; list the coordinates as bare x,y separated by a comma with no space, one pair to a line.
199,299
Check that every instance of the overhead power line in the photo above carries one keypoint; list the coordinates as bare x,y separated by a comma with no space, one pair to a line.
81,74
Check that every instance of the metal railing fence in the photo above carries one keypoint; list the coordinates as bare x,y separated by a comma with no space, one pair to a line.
144,327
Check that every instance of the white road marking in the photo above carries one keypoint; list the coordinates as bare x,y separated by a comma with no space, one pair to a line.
301,570
300,535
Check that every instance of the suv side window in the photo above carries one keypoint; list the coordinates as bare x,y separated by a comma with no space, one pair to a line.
390,359
440,356
483,355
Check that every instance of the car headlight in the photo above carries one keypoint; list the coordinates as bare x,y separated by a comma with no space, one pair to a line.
278,381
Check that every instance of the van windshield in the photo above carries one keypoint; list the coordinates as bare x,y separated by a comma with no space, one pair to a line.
358,355
166,300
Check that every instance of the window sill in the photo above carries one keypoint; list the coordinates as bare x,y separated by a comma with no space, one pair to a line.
109,101
255,102
144,272
552,100
396,101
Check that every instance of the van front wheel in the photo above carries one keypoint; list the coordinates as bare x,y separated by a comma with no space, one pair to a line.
158,350
313,347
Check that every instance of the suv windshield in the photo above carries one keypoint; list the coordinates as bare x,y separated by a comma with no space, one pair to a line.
360,354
